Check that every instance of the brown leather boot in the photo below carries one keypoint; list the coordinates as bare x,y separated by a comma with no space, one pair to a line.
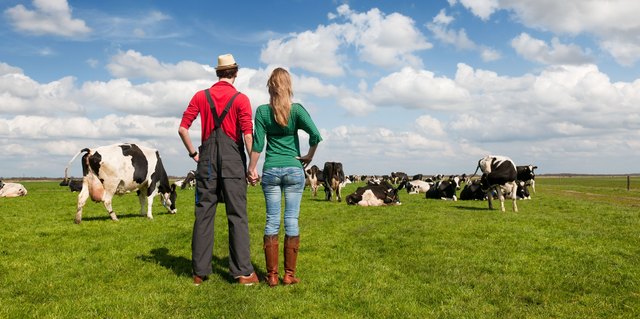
291,245
271,257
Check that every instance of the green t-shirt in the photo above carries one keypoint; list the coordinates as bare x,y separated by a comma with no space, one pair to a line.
283,145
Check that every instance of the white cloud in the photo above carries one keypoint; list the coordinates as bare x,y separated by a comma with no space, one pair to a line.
48,17
419,89
557,53
22,95
614,23
132,64
381,40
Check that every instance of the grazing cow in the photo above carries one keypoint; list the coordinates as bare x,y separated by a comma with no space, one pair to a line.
499,174
12,190
314,179
189,181
75,185
527,175
415,186
374,195
445,189
120,168
333,179
472,191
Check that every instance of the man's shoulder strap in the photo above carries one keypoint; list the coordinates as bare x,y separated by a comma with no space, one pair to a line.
218,119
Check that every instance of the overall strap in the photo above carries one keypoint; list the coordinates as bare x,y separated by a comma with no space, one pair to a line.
218,120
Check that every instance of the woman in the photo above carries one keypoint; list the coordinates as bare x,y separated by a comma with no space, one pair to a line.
283,170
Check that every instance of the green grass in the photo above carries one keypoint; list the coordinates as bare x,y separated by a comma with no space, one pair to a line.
571,252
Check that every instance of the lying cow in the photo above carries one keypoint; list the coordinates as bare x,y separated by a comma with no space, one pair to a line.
120,168
523,190
415,186
374,195
75,185
527,175
445,189
499,176
12,190
472,191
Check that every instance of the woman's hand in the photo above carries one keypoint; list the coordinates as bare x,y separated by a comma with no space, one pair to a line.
306,160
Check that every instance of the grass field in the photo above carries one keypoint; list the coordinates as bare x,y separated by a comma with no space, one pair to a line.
573,251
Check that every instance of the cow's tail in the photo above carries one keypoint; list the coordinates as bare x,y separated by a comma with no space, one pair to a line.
66,169
474,173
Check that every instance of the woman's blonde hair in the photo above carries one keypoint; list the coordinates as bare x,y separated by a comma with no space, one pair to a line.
280,93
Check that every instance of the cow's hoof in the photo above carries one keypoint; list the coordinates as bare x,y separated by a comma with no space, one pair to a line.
77,221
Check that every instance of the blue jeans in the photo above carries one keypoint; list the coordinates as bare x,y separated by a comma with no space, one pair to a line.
275,182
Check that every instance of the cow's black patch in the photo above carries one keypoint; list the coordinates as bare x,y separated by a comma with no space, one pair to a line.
138,160
93,161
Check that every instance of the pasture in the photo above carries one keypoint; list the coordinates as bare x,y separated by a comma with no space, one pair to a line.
573,251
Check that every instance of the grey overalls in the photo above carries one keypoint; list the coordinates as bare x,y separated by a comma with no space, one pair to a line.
221,178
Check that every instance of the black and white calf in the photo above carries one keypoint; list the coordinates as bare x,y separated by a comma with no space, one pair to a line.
445,189
120,168
374,195
499,175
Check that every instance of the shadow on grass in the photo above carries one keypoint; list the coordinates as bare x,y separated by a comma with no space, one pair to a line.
107,217
472,208
181,266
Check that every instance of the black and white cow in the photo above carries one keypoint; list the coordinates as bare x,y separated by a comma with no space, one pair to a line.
445,189
187,182
398,177
12,189
374,195
120,168
472,191
523,190
315,178
498,174
415,186
527,175
333,179
75,185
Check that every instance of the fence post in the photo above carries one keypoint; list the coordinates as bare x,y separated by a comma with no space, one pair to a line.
628,182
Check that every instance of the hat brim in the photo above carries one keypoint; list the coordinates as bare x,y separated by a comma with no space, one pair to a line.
226,67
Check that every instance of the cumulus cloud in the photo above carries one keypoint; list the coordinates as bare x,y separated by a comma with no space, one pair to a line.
22,95
419,89
381,40
132,64
614,23
557,53
47,17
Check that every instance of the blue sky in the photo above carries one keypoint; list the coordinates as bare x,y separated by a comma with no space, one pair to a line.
414,86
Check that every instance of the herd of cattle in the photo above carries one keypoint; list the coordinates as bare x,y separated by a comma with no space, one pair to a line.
501,179
122,168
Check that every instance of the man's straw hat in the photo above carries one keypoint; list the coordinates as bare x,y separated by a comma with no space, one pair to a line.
225,62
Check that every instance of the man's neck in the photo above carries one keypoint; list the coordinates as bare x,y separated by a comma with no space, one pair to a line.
228,80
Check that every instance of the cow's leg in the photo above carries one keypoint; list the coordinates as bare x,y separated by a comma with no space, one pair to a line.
82,199
513,196
328,190
142,198
339,192
107,198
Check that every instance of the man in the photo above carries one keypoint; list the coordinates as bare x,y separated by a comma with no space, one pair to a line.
221,174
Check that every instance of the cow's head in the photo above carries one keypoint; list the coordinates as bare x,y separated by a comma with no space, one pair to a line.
391,197
1,184
523,190
169,199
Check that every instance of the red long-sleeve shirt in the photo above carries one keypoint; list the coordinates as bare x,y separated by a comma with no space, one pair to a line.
237,122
